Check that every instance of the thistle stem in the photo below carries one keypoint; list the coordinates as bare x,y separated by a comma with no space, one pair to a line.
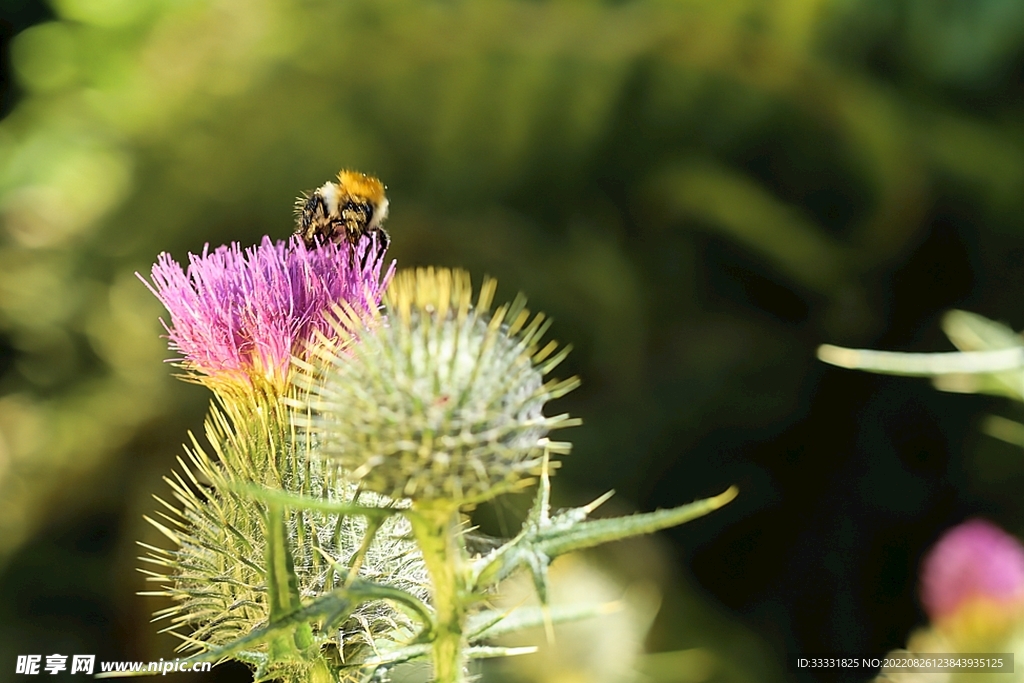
435,527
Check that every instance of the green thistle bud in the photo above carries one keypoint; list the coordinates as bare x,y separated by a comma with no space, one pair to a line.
217,573
442,400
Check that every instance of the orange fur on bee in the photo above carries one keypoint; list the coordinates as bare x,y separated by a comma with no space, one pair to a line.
361,185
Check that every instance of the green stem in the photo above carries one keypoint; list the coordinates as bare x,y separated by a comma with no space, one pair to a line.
435,526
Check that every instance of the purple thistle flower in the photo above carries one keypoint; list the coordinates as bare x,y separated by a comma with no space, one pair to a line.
239,315
974,560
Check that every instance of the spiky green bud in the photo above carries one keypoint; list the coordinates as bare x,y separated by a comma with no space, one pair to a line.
443,399
218,573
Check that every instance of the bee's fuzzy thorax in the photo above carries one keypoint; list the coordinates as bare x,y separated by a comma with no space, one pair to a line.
361,185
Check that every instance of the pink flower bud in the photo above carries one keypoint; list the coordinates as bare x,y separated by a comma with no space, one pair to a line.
973,562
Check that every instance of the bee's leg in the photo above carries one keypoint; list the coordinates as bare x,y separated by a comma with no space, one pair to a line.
312,218
363,251
383,239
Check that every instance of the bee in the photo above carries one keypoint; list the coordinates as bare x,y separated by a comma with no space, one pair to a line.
343,211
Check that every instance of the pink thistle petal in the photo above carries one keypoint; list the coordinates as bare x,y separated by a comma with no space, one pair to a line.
974,560
240,315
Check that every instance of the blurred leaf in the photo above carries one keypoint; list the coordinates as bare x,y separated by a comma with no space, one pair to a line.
753,217
1010,431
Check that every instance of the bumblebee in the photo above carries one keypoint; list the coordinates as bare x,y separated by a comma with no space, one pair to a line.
345,210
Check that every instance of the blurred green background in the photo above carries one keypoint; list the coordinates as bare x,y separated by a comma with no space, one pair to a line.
699,192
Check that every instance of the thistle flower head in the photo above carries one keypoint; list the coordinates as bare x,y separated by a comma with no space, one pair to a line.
443,399
238,316
975,562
